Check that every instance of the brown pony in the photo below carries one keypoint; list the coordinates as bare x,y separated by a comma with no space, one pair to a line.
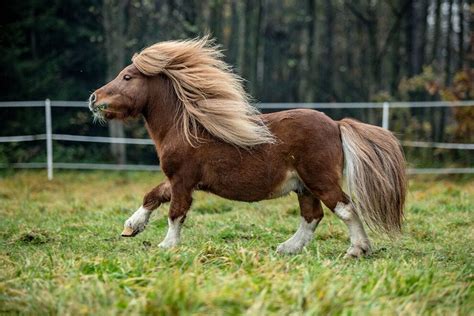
208,137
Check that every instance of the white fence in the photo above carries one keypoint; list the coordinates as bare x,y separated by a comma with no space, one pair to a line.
49,136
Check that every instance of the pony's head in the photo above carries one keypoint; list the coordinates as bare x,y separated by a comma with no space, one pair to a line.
208,94
123,97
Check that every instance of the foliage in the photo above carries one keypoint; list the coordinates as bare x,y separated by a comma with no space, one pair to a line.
287,51
462,89
416,87
61,253
50,49
61,49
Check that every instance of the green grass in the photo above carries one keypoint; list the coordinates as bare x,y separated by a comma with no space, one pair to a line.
60,253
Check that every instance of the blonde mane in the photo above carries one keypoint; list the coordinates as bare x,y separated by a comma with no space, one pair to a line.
210,94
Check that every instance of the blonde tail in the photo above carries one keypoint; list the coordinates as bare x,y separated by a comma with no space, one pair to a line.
375,172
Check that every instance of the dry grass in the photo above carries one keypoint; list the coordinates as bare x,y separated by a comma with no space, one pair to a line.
60,253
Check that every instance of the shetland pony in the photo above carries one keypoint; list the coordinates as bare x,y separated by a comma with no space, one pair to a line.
208,137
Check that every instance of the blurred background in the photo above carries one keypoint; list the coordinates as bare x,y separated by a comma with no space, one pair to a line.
312,51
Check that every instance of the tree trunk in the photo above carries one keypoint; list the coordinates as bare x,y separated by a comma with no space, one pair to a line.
447,65
349,58
409,40
327,73
260,50
437,31
253,16
217,17
461,36
420,39
311,56
447,70
395,64
114,21
374,66
232,53
241,34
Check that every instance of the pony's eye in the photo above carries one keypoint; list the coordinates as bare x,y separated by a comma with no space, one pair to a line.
127,77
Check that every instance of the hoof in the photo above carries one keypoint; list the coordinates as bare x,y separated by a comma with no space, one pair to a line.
167,244
288,249
358,251
129,232
136,223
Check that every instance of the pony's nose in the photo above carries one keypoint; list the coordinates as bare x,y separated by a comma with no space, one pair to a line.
92,99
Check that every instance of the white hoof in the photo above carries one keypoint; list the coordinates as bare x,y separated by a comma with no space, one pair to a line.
300,239
173,235
358,251
136,223
289,248
167,244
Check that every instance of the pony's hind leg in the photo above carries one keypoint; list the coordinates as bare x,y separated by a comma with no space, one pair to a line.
311,215
152,200
338,202
360,244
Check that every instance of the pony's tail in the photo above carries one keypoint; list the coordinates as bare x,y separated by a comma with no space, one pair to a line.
375,175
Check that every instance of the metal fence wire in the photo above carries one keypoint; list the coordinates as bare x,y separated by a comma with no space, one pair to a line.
49,136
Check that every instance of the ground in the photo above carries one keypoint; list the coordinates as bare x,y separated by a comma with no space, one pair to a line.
60,253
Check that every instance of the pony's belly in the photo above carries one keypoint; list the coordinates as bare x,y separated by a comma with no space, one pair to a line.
255,190
290,183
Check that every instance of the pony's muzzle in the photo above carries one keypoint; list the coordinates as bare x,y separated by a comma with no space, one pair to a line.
92,99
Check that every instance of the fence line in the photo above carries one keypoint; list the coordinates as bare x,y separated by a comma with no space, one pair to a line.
363,105
99,166
274,105
102,139
81,166
49,136
147,141
410,143
440,171
23,138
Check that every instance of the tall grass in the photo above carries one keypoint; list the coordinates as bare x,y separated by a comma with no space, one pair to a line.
60,253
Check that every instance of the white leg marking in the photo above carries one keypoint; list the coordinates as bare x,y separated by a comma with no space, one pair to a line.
173,235
137,222
300,239
360,243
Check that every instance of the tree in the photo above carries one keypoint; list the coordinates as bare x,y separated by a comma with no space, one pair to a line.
115,26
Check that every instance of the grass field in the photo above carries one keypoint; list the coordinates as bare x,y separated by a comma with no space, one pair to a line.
60,253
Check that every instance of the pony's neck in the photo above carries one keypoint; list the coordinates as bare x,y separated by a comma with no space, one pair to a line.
160,113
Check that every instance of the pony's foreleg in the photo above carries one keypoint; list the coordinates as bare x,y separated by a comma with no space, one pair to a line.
180,204
311,215
152,200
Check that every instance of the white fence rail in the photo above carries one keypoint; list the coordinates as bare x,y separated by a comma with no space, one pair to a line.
50,136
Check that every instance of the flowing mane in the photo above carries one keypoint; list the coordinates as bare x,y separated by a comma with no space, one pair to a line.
210,94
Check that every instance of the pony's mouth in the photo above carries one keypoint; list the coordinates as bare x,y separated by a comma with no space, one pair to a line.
98,111
98,116
98,108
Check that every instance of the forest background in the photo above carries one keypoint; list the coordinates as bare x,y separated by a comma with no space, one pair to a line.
287,51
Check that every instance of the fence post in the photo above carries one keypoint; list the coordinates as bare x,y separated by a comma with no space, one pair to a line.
49,139
385,115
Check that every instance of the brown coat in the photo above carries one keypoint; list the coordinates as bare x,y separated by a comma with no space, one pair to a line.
209,138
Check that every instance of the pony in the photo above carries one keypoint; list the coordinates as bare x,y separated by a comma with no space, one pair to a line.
209,137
